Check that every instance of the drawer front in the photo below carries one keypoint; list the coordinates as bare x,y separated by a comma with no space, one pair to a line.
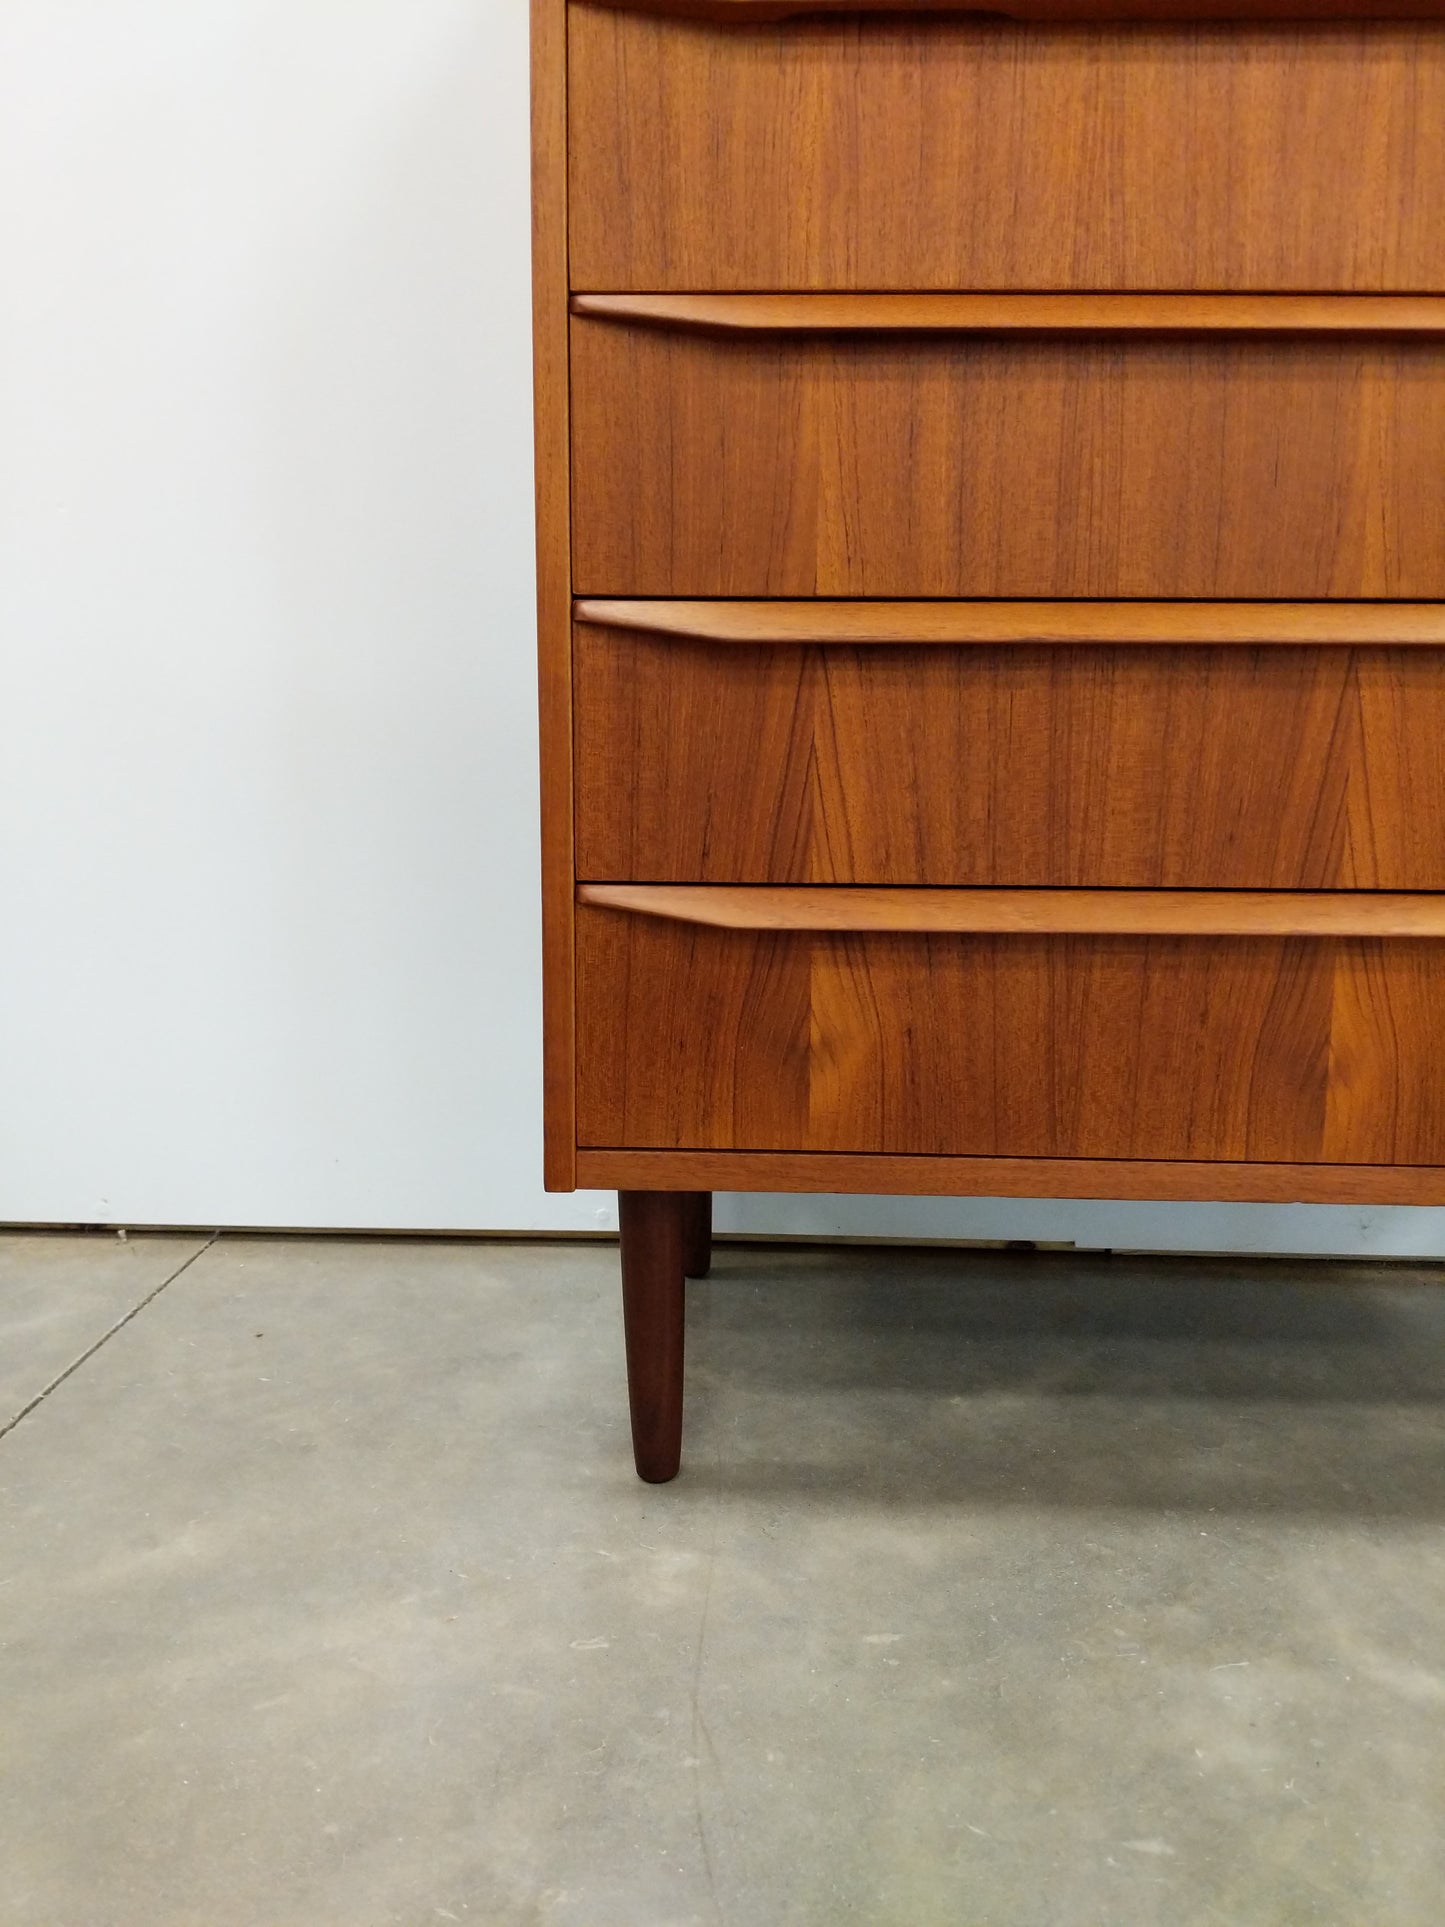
1079,765
944,153
801,464
1287,1050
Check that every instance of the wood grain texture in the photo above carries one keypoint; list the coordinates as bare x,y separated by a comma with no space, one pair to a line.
1178,1181
1033,314
1085,765
554,582
697,1233
1352,624
937,466
732,12
881,314
654,1239
1283,1050
1193,913
943,153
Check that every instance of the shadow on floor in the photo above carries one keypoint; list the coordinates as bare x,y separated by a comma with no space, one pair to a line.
934,1377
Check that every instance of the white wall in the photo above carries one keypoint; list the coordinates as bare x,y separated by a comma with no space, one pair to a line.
268,928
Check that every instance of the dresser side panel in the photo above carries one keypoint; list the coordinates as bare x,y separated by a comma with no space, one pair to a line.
550,353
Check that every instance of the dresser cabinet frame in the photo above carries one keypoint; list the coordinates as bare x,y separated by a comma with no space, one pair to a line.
665,1194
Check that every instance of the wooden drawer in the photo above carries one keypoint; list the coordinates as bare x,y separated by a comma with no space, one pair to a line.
817,742
1264,1048
786,460
940,152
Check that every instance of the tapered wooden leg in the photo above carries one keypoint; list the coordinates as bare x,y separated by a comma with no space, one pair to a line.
697,1233
653,1241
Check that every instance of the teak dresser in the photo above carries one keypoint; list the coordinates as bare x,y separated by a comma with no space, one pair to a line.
991,497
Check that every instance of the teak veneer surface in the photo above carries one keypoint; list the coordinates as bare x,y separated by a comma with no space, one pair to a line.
809,620
1242,12
554,581
947,153
796,465
1033,314
851,909
1291,1050
1126,765
1175,1179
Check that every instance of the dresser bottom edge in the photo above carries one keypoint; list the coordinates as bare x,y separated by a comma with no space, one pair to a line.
1136,1179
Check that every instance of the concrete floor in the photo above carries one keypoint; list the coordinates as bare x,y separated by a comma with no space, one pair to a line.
994,1590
